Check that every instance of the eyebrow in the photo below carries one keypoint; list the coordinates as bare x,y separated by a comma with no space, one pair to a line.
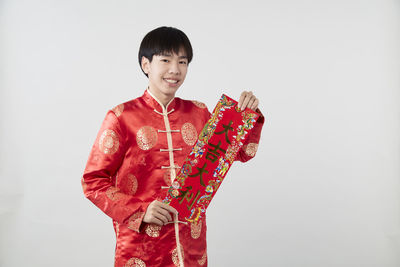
169,55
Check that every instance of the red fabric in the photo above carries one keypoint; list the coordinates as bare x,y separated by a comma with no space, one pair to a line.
124,175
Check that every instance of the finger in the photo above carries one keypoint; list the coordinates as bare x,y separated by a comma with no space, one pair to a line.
161,217
157,221
149,215
242,96
161,206
169,208
166,214
250,104
160,213
255,105
246,101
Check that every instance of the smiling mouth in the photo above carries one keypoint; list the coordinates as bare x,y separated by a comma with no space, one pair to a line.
171,81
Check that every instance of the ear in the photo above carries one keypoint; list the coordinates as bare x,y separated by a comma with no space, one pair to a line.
145,65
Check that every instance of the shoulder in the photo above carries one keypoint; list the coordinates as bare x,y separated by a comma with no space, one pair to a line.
198,104
196,108
194,104
125,107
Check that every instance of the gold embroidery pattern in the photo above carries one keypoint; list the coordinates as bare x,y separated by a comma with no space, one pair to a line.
167,177
153,230
108,142
203,259
114,194
131,184
146,137
175,258
135,262
118,110
251,149
195,229
199,104
189,133
135,220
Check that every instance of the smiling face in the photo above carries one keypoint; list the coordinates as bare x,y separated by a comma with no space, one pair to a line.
166,74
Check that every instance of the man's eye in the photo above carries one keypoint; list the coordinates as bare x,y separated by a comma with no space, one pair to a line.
165,60
183,62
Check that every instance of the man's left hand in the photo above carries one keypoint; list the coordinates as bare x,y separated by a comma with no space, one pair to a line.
248,100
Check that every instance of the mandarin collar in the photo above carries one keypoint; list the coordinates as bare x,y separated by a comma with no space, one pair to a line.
153,102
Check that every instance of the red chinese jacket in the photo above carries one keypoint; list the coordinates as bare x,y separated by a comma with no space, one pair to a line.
133,161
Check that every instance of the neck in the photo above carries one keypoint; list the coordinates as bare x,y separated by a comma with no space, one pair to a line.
162,98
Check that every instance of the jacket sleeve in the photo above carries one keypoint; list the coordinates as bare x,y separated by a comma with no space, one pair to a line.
98,181
249,148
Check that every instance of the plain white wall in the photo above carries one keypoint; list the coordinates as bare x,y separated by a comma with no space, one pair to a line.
323,189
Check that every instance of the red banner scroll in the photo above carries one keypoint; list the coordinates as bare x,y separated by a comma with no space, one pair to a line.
210,159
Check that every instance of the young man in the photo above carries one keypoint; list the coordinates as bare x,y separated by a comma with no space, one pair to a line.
139,148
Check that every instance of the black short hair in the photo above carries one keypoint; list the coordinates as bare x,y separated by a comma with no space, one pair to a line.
164,39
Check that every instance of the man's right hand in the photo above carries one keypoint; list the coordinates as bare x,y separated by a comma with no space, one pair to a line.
159,213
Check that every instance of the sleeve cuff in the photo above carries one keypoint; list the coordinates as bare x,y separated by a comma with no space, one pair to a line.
135,221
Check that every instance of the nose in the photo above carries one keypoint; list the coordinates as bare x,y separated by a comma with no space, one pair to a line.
174,68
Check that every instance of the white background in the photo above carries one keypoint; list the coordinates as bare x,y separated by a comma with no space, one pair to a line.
323,189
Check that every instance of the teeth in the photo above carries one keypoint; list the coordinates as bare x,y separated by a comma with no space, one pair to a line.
171,81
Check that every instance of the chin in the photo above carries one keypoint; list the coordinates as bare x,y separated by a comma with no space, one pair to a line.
171,91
